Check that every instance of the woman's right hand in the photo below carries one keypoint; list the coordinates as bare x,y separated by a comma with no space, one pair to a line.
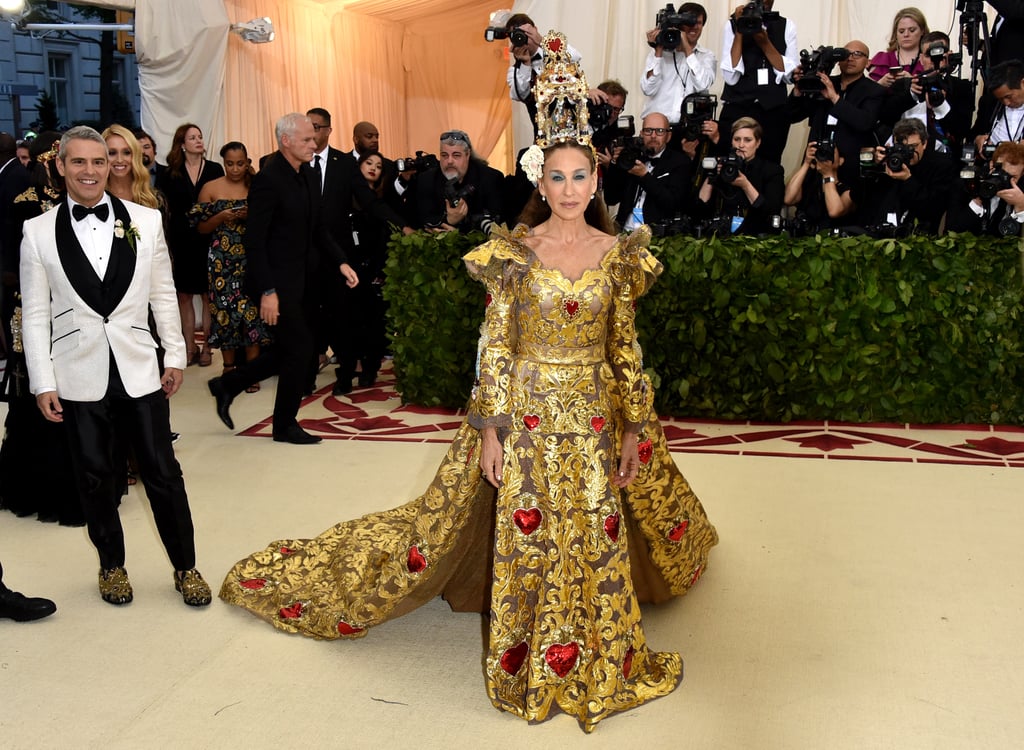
491,455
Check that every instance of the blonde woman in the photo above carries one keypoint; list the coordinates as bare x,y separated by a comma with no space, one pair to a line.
129,178
901,60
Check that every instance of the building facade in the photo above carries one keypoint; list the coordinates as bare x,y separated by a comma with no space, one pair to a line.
67,67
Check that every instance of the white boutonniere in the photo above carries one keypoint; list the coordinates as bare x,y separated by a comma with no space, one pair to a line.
131,233
532,163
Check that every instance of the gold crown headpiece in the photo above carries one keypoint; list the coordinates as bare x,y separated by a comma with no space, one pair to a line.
561,95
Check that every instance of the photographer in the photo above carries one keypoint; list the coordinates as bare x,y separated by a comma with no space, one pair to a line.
744,190
759,51
1004,82
941,101
462,193
677,65
919,185
993,204
846,104
650,187
816,191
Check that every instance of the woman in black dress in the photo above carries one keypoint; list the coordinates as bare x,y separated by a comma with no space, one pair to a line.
187,171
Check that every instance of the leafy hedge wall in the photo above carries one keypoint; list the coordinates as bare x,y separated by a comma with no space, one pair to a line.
918,330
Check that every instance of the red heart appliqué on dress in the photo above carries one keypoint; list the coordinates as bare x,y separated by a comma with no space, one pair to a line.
253,584
488,300
627,663
597,423
646,450
572,307
286,551
677,533
561,657
292,612
416,562
528,520
514,657
531,421
611,527
345,629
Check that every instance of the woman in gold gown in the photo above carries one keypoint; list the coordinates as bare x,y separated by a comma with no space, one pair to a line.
557,508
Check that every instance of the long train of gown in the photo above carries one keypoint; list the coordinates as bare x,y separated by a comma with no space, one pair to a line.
562,588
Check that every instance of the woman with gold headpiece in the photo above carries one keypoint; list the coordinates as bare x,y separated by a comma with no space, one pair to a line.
35,461
558,507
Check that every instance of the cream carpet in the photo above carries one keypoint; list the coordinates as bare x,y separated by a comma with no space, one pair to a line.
850,604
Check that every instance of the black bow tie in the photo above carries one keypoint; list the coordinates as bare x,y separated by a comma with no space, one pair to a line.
653,160
102,211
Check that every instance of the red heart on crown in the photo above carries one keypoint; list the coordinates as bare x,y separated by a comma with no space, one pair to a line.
253,584
345,629
514,657
555,44
677,533
597,423
531,421
646,450
292,612
561,657
627,663
611,527
527,520
416,562
572,307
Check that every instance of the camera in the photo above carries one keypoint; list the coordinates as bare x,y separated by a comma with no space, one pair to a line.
454,195
993,182
678,224
696,110
752,18
669,24
933,86
610,133
820,60
898,156
498,29
633,150
825,148
724,169
421,163
988,150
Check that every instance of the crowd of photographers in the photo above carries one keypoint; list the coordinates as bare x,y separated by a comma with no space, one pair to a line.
898,143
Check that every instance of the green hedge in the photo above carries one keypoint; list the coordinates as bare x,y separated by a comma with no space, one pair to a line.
920,330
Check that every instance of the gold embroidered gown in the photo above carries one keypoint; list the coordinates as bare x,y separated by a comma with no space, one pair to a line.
559,555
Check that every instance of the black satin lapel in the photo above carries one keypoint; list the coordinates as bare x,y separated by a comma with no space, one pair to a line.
121,267
79,270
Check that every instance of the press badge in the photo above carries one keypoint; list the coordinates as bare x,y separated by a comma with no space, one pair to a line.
831,121
762,76
737,222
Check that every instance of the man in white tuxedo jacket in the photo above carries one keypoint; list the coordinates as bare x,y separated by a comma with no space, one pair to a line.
91,270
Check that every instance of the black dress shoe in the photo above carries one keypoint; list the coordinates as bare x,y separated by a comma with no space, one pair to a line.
295,434
342,387
223,399
21,608
367,379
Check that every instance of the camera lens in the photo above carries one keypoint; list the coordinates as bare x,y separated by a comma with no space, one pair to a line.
518,38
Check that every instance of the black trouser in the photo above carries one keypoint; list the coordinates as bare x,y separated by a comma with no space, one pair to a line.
291,358
93,429
362,327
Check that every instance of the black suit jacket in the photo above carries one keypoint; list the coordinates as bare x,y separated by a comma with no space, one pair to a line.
956,125
856,113
286,232
339,173
923,198
666,187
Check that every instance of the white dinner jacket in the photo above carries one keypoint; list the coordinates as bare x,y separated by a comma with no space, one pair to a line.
67,340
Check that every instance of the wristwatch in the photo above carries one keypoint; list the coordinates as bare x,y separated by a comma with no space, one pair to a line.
827,180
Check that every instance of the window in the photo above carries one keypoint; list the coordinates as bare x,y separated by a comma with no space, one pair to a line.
60,82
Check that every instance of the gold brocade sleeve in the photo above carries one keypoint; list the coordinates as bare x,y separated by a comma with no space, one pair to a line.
634,271
499,264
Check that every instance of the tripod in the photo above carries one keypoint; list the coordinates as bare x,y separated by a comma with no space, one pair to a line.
974,35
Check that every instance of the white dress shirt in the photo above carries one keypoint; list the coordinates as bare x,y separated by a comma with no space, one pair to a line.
1009,125
731,75
323,164
95,236
673,77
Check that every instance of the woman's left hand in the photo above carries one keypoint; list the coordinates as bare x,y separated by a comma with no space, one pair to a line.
629,462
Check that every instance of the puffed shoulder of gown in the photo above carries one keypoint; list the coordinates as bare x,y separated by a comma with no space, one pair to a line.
363,572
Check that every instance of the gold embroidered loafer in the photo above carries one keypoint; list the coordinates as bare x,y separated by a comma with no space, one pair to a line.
115,588
194,590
